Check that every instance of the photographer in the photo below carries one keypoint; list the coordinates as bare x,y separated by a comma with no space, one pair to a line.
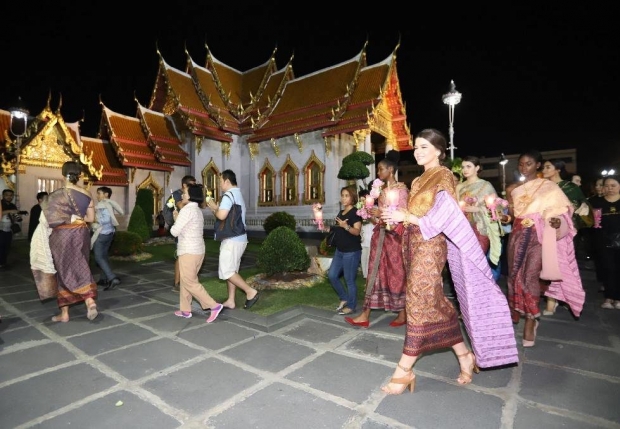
9,224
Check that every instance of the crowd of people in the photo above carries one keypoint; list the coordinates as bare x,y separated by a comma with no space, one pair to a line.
414,235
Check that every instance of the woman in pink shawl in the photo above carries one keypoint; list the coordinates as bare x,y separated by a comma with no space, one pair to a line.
541,255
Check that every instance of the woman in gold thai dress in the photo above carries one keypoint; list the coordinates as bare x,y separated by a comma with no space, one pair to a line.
436,231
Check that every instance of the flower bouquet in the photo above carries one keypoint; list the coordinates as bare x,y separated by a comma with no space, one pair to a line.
496,206
317,208
369,201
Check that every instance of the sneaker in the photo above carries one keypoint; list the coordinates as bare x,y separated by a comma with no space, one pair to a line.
113,283
617,305
215,311
608,304
183,314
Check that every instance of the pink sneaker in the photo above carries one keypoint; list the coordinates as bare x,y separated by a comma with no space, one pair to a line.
215,311
183,314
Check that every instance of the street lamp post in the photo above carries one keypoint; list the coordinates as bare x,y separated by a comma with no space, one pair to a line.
503,161
19,125
451,98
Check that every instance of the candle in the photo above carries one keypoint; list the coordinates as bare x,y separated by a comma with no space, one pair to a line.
318,215
392,198
370,201
462,204
490,201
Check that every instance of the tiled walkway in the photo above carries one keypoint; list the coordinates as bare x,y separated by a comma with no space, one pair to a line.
138,366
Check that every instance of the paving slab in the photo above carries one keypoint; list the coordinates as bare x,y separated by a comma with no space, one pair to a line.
303,367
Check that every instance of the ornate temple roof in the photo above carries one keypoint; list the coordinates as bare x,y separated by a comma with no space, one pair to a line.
129,143
216,102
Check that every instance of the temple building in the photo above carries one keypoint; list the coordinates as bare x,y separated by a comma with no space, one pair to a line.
284,136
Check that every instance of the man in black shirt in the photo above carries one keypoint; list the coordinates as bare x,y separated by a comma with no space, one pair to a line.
35,213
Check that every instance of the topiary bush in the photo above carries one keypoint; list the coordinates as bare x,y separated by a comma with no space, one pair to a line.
126,243
278,219
137,224
283,251
144,199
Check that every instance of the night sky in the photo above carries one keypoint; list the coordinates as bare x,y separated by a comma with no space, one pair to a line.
543,77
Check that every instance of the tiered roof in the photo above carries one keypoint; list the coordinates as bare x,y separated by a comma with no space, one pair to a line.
217,101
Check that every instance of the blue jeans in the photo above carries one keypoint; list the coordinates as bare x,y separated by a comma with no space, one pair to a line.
100,250
345,263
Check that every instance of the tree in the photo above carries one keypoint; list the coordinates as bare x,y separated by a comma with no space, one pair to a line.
138,225
144,199
354,166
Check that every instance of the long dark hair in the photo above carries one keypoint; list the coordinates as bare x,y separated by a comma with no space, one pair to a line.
560,165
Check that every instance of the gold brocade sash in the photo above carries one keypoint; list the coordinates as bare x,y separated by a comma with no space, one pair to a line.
424,189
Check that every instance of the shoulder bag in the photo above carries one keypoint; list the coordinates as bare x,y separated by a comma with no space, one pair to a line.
233,225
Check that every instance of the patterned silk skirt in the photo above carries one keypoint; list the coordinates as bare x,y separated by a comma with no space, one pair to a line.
524,266
385,286
432,321
70,246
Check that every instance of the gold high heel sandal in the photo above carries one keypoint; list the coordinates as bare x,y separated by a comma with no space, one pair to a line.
406,381
467,376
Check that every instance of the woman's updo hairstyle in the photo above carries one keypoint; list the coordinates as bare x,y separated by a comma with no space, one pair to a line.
474,160
391,159
72,171
436,138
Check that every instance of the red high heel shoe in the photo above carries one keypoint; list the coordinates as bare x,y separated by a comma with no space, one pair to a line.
395,324
352,322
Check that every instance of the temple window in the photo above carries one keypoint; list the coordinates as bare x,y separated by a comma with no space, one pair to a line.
267,185
314,176
211,180
48,185
289,177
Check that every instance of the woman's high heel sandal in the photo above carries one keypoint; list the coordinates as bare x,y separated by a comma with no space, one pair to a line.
466,377
406,381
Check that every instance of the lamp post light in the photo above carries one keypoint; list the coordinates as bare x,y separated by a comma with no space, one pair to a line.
451,98
608,172
503,161
19,126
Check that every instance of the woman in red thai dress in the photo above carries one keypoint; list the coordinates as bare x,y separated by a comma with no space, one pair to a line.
385,284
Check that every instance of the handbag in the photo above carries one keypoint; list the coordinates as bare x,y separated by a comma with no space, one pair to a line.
233,225
331,238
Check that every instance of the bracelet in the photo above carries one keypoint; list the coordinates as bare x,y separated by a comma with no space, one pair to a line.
406,222
508,220
347,228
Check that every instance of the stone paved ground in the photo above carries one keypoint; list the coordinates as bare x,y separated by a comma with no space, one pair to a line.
138,366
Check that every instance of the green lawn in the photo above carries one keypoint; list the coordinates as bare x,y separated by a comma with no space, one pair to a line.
320,295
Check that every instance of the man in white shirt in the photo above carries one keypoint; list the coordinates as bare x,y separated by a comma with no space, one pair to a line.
231,249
